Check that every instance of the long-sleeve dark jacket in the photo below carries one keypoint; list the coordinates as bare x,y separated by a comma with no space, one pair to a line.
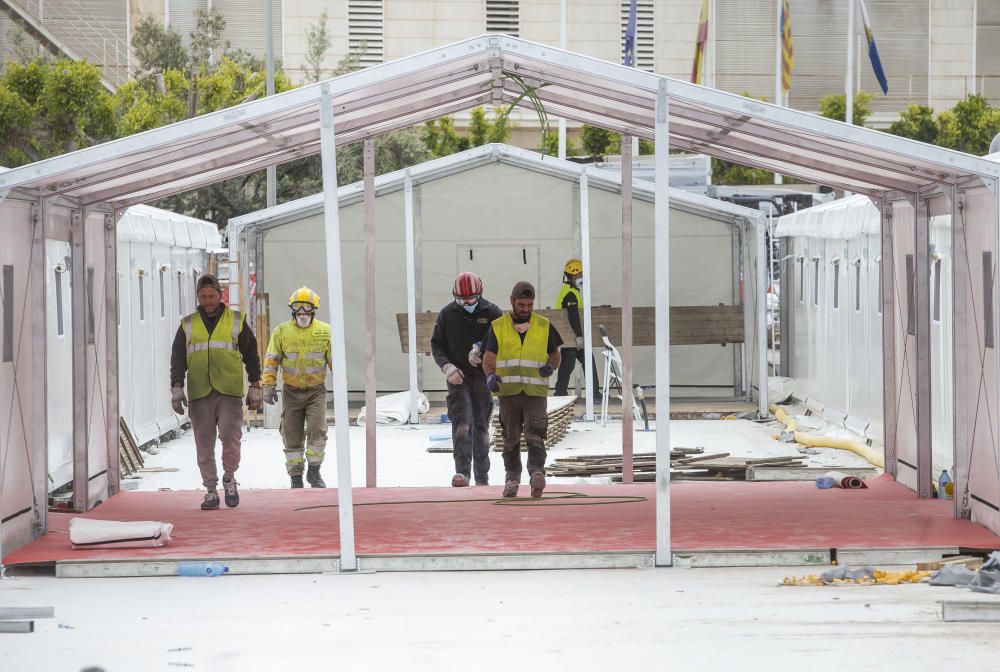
247,343
456,331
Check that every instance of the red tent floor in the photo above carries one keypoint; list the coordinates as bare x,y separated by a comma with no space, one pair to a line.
420,522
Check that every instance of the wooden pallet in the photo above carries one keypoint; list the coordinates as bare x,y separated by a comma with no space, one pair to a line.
691,464
129,457
560,411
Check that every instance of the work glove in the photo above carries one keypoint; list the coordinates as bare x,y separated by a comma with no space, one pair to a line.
270,395
255,398
178,400
579,343
545,371
493,382
453,374
475,355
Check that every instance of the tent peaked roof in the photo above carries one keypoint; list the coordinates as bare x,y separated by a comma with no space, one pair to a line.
506,155
492,70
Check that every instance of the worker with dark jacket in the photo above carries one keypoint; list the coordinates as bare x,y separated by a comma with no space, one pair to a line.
570,300
212,347
521,352
456,347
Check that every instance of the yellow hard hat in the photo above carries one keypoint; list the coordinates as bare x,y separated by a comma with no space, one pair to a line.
573,267
304,295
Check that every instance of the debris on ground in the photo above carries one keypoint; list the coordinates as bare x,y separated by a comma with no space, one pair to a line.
865,576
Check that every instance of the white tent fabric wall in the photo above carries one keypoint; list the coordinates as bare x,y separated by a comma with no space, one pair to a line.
509,222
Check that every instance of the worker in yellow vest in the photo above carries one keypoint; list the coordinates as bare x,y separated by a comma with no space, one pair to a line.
520,353
300,347
571,300
212,347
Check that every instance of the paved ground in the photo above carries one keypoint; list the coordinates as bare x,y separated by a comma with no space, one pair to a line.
662,619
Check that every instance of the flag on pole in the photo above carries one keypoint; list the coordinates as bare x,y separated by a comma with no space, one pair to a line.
628,53
699,43
787,53
866,27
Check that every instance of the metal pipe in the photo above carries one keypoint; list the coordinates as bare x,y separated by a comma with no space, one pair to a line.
335,288
626,239
761,302
369,252
661,255
78,302
272,175
588,336
411,296
849,83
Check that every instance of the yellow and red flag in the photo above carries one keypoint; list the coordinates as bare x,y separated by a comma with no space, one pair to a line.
700,42
787,53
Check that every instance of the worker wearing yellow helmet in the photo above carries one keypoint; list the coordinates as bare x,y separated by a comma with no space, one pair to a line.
570,299
300,348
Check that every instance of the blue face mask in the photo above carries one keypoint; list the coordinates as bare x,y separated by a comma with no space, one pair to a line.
470,309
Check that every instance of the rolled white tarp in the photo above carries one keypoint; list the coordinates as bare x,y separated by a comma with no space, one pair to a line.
86,533
394,409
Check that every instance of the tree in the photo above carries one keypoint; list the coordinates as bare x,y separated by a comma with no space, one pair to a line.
834,106
207,43
317,42
917,123
157,48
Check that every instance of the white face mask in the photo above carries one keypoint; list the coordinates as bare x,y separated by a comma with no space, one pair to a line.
303,319
578,283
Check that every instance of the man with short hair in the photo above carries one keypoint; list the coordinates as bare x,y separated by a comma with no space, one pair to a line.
212,347
456,346
521,352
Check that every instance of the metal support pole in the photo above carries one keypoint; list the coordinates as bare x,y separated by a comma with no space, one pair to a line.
335,288
889,330
960,346
39,365
661,256
562,45
369,247
922,279
763,257
411,296
778,69
111,348
786,275
272,173
78,289
849,80
627,309
588,336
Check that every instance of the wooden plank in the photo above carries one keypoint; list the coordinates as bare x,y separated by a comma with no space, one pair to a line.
689,325
970,561
8,613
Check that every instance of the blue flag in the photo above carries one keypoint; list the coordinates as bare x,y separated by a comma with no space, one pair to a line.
866,28
628,55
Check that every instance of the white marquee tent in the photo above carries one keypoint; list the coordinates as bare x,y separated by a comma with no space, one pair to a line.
909,181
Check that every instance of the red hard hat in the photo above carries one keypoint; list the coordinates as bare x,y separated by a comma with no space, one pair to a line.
467,284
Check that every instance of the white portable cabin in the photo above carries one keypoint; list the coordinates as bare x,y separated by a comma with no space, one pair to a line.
510,214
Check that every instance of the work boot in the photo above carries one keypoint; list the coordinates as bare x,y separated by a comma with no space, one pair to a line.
297,481
313,477
510,488
459,481
211,501
232,494
537,483
482,481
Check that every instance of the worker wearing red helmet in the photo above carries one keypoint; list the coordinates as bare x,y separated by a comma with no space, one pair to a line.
455,345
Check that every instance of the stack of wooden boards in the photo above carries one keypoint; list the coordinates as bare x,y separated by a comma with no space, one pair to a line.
686,464
560,411
129,458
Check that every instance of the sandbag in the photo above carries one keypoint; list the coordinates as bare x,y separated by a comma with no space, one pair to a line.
87,533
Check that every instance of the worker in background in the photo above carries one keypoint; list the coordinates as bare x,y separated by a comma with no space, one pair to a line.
301,348
212,347
570,300
456,346
520,353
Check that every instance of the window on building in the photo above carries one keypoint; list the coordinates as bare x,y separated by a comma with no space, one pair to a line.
366,31
911,325
836,284
7,287
90,304
816,281
878,297
503,16
180,295
163,293
988,298
802,280
60,327
857,286
937,290
142,298
645,37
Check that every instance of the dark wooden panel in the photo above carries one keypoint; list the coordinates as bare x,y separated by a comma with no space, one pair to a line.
689,325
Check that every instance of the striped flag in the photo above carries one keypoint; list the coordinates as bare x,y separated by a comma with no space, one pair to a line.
787,53
628,53
866,30
699,44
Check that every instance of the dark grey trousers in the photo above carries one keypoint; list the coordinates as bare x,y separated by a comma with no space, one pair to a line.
570,356
469,408
519,414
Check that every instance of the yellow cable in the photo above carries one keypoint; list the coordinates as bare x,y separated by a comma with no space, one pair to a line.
873,456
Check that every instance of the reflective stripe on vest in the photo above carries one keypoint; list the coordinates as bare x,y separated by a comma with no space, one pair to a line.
302,355
213,360
518,362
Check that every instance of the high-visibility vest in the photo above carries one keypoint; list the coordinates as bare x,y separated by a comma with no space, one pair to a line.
565,289
518,362
303,355
213,360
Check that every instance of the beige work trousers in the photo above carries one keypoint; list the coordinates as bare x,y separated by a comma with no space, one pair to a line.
217,415
303,427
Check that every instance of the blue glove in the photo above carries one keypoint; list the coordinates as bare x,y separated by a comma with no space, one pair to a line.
493,382
545,371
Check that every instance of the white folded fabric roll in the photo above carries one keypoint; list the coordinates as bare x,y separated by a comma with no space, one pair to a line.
87,533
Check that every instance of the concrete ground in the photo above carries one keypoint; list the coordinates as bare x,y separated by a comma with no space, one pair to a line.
654,619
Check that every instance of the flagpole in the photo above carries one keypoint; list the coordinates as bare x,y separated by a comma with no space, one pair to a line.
849,83
562,45
975,29
778,45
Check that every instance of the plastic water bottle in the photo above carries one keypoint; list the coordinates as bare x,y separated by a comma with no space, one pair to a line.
944,480
201,569
824,482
